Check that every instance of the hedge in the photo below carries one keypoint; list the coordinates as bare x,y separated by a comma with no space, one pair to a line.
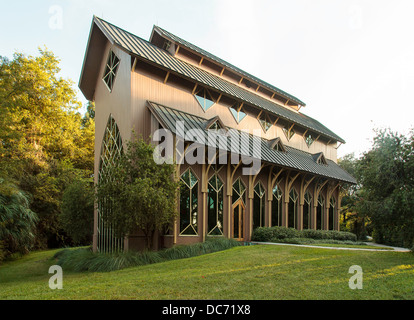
265,234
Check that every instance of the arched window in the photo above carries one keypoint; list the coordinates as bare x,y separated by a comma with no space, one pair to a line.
307,211
332,213
111,151
239,191
259,203
277,206
215,206
189,204
293,208
320,212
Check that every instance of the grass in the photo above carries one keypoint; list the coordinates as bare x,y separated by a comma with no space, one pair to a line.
241,273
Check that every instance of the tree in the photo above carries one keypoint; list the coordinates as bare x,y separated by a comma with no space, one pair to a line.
44,140
386,173
76,216
138,193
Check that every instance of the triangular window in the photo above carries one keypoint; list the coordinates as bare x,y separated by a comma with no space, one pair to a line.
277,145
111,69
205,99
289,132
265,121
215,124
320,159
238,112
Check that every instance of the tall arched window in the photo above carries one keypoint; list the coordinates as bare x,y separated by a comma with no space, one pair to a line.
332,213
189,204
320,212
293,208
277,206
259,203
111,151
215,206
307,211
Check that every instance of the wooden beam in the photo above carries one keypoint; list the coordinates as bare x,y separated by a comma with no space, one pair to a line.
305,133
241,80
277,120
219,98
134,65
287,102
258,87
176,51
195,88
222,71
273,95
166,77
201,61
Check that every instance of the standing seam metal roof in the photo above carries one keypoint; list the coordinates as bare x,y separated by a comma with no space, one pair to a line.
144,49
224,63
292,158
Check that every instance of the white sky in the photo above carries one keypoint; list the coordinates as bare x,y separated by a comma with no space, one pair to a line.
351,62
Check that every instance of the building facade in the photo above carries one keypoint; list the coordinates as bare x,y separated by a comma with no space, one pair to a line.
245,153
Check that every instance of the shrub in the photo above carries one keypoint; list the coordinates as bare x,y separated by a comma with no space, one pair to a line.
279,233
83,259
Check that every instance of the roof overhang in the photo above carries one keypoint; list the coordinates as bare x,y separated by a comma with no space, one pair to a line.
92,61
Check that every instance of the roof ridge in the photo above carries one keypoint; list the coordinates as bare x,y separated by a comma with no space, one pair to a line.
230,65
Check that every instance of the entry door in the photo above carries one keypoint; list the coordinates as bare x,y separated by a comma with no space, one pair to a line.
238,220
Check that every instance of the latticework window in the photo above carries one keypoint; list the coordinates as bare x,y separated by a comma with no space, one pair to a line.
111,69
189,204
259,206
215,206
111,151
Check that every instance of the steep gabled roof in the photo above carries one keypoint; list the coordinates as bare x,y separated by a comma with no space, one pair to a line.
152,54
192,47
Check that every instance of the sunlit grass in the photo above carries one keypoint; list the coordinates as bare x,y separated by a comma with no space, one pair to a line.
255,272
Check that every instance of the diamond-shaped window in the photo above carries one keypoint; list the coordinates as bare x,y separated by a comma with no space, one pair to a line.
309,139
111,69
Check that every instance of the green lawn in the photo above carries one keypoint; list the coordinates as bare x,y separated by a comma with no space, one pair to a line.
255,272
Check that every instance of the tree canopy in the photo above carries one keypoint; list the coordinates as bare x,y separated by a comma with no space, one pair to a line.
45,142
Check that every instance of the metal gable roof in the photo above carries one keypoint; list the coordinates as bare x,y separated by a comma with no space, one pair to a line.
293,158
224,63
145,50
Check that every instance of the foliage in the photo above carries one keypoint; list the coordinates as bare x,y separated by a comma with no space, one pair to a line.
83,259
266,234
77,208
44,140
386,174
138,193
17,221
